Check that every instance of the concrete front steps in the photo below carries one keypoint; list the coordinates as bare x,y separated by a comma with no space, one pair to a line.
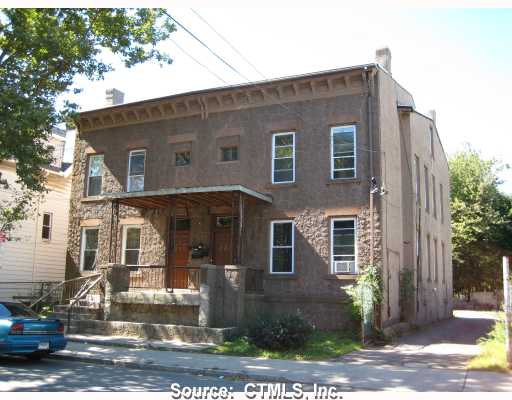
184,333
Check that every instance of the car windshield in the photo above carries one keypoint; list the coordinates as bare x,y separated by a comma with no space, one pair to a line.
16,310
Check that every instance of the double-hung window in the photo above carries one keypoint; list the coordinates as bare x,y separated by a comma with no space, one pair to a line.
427,190
131,245
434,197
417,185
136,170
89,248
282,247
46,233
436,265
343,246
343,152
283,157
94,176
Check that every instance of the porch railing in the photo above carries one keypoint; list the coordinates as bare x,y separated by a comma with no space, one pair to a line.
158,277
186,278
148,277
254,280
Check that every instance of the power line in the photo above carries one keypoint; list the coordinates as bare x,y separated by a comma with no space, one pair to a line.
206,46
198,62
256,85
229,44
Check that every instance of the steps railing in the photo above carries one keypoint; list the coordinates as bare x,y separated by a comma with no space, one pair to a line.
94,282
68,289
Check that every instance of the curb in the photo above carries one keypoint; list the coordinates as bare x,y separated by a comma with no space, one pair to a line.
146,346
192,371
159,367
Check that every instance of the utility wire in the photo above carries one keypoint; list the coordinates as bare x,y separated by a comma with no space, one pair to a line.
206,46
198,62
255,85
229,44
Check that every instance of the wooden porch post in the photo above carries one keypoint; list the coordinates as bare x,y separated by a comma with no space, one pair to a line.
114,225
171,248
240,226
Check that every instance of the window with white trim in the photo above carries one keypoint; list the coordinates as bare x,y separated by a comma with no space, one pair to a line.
46,232
343,152
283,157
443,260
343,246
434,197
94,175
436,264
89,248
429,259
427,190
417,184
441,201
131,245
282,243
136,170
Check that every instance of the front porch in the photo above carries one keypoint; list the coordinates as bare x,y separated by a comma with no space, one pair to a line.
191,226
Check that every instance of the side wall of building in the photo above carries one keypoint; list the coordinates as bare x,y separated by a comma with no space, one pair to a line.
29,257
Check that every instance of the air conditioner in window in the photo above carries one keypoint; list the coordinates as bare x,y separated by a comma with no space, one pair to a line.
341,267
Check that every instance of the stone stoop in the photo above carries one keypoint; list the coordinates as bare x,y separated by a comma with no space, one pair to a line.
184,333
79,313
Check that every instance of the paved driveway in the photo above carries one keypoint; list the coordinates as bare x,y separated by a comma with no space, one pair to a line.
446,344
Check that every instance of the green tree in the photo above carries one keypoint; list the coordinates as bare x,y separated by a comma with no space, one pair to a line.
481,222
41,52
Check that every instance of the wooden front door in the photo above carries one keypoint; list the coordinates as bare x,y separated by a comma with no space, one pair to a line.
222,240
179,253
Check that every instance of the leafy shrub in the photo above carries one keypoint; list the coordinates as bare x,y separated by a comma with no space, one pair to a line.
288,331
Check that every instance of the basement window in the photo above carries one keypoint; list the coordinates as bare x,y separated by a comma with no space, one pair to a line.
282,247
343,152
136,170
89,249
131,245
46,233
343,246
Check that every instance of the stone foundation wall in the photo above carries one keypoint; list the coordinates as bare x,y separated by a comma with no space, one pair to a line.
155,313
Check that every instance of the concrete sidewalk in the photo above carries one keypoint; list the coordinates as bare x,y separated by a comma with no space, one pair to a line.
348,375
138,343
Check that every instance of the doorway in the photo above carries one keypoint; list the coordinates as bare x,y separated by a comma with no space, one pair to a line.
224,227
178,254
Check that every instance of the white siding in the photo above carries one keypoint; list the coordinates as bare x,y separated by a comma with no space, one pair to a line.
30,258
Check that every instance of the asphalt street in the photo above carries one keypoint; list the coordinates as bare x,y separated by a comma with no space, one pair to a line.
19,374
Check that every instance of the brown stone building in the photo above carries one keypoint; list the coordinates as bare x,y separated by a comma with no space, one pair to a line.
274,179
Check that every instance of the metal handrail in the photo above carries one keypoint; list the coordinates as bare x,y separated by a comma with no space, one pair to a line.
61,284
82,292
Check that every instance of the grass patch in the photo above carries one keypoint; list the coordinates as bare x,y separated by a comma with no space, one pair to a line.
319,346
492,357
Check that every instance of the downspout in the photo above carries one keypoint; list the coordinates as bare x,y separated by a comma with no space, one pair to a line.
369,82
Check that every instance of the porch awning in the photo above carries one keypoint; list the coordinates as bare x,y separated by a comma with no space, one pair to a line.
200,195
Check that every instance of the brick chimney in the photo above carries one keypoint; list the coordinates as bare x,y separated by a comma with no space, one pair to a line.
432,115
383,58
114,97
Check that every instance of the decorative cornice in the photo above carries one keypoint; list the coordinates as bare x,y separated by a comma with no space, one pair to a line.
307,87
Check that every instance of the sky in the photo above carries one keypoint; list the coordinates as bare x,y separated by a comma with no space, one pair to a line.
456,61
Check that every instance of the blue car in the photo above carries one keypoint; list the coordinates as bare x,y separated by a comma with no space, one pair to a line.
23,332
